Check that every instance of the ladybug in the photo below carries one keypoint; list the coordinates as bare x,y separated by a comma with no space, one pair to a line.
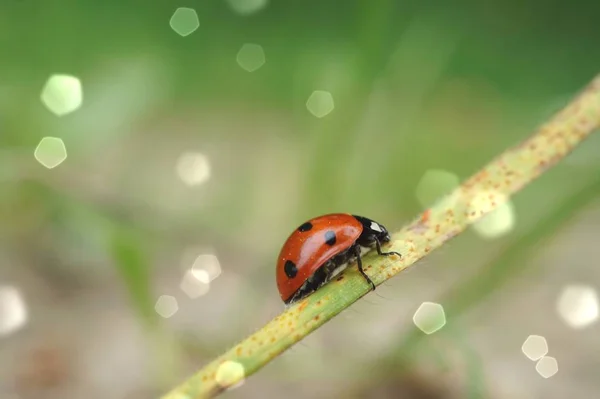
321,248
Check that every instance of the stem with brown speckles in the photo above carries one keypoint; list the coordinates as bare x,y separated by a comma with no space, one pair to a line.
475,198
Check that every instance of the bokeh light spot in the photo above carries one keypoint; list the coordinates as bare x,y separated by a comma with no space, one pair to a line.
483,202
230,374
62,94
320,103
184,21
247,7
497,223
13,311
251,57
535,347
547,366
429,317
193,168
577,305
166,306
491,213
206,266
434,184
193,286
180,395
50,152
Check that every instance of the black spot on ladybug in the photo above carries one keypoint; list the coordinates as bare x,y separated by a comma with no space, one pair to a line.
330,237
305,227
290,269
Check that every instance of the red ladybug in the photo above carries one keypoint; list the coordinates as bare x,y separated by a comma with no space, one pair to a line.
321,248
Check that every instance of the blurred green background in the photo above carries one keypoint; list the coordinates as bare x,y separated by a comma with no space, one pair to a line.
91,245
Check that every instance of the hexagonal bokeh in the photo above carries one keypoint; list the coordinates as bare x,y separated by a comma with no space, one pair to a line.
430,317
434,184
166,306
184,21
491,213
62,94
50,152
13,311
247,7
578,306
206,266
547,366
484,202
320,103
497,223
194,285
535,347
230,374
193,168
251,57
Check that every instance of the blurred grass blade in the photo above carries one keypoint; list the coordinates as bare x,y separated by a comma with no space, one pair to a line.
131,262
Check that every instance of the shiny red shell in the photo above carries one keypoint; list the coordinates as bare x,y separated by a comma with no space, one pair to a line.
309,250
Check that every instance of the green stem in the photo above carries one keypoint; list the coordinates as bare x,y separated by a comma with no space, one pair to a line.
499,271
475,198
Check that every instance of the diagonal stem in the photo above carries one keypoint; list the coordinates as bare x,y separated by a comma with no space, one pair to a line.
475,198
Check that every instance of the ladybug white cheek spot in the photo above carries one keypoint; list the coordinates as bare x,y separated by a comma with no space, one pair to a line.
374,226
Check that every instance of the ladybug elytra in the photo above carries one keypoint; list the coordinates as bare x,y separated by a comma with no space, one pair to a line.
321,248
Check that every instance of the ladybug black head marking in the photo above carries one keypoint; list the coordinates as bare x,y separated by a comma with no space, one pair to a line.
372,231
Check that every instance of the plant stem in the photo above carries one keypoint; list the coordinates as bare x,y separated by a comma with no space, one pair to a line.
475,198
494,275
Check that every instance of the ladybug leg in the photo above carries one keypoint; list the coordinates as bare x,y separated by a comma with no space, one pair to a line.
360,267
378,245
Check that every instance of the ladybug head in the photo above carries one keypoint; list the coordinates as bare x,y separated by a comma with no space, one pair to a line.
372,231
